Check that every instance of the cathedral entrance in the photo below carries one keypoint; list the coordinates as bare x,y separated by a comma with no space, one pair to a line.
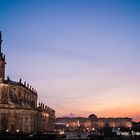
12,126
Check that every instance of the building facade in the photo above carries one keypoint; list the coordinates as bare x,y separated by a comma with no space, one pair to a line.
91,123
18,106
72,124
110,122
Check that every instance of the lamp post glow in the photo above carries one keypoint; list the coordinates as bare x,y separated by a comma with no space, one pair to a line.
67,125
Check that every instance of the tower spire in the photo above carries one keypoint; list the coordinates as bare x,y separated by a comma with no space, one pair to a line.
0,41
2,62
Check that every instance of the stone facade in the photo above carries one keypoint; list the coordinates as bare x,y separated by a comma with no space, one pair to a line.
72,124
18,106
91,123
110,122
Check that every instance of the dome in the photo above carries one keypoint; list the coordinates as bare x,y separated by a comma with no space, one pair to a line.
92,116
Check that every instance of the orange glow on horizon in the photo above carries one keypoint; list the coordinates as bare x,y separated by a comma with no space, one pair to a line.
129,111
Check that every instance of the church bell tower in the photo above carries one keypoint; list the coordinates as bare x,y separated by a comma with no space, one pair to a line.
2,62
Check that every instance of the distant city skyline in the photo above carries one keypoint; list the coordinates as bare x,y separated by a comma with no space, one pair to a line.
81,56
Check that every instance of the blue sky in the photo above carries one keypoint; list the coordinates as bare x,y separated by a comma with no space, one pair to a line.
82,56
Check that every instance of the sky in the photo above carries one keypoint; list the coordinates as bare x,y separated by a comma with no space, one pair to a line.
82,56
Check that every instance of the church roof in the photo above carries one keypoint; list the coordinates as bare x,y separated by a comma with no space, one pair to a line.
11,82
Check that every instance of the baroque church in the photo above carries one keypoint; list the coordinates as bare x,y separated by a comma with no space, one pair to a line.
18,106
